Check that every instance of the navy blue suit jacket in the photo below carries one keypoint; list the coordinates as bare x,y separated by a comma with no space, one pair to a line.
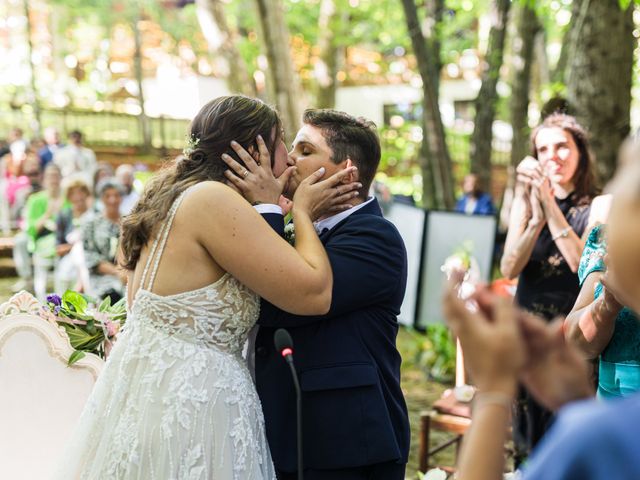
354,413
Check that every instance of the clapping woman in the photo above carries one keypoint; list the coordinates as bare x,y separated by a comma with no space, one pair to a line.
544,240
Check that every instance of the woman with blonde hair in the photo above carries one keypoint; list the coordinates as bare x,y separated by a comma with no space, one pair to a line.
68,233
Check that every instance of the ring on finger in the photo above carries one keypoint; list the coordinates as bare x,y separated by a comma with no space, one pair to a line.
245,174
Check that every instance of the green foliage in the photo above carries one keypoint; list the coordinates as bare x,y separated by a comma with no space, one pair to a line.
89,329
434,352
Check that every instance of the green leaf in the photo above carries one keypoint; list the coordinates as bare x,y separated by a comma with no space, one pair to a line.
75,300
624,4
106,303
75,356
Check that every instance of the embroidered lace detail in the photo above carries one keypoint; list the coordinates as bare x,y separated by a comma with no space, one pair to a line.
175,399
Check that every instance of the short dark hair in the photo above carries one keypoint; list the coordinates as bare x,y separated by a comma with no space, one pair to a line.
349,137
75,134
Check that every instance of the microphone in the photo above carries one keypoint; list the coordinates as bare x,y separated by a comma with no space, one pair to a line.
284,345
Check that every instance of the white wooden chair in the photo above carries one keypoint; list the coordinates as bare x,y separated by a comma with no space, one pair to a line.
41,398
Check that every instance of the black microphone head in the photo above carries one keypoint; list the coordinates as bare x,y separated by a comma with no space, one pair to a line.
282,340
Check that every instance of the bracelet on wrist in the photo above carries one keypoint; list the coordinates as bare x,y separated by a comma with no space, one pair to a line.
564,233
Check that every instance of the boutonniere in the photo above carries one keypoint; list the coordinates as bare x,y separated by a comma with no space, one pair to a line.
290,232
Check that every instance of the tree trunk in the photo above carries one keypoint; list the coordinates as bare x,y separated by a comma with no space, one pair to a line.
487,97
222,38
568,42
145,125
283,82
435,162
527,27
326,68
431,29
32,77
600,73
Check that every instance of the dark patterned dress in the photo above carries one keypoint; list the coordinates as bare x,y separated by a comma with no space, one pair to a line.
546,287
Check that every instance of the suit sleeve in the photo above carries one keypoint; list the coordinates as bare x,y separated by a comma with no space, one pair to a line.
276,221
368,261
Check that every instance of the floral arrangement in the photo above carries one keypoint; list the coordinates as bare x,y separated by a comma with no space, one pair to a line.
90,328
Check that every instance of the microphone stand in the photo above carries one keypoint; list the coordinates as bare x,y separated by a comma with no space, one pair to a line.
296,384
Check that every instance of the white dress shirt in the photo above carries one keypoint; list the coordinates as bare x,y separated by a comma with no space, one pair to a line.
326,223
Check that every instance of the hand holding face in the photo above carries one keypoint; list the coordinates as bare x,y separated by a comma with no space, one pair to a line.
490,338
256,182
317,197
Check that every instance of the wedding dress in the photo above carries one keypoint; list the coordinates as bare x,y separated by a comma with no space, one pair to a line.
175,399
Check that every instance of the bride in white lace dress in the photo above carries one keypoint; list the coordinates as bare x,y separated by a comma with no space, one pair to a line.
175,399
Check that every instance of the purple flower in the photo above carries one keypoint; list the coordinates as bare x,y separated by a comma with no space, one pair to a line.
55,299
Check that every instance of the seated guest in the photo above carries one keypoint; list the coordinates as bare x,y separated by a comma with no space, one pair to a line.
51,146
75,157
33,176
124,174
103,172
68,235
21,253
41,211
590,440
100,236
474,201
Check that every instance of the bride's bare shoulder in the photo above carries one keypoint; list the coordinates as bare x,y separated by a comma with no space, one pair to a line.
208,197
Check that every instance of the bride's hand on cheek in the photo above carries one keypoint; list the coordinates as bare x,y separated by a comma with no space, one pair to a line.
256,183
318,197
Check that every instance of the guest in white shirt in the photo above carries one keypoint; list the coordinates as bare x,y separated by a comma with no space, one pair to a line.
76,158
124,175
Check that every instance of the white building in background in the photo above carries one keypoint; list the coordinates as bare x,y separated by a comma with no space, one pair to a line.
174,96
379,102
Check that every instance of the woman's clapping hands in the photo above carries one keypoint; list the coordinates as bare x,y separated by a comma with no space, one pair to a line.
503,345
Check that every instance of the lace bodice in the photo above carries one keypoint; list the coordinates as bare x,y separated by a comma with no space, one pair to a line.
219,315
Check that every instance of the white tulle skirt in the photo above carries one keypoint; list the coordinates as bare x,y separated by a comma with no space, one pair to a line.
165,408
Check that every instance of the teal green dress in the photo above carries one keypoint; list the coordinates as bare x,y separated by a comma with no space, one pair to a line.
619,371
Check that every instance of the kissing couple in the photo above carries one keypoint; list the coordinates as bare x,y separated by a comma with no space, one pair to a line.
206,259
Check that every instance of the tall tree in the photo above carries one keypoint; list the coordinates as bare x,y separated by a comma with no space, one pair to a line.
487,96
326,67
222,38
145,124
568,42
435,162
527,26
283,85
600,74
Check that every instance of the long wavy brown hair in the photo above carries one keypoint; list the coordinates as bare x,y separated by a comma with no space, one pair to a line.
219,122
584,181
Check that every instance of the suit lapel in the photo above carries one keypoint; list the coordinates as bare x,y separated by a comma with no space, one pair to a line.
372,208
